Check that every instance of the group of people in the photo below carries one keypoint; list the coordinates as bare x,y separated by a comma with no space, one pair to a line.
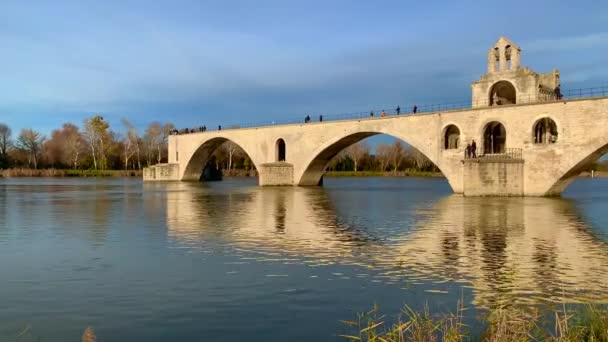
397,110
307,118
193,130
471,150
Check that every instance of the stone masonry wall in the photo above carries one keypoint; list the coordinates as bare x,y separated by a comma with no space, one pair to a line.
493,178
161,172
273,174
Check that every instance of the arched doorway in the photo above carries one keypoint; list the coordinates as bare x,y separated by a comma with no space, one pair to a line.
494,138
502,93
280,150
451,138
545,131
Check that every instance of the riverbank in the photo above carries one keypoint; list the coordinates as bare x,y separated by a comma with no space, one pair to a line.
19,172
583,323
411,173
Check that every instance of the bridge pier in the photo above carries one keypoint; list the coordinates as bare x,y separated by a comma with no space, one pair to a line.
493,177
276,174
162,172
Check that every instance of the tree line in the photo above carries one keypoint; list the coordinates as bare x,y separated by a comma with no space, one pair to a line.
393,157
94,145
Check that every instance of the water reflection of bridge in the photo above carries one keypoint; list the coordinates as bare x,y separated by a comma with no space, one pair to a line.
527,250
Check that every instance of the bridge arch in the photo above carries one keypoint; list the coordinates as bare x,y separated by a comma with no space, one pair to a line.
568,173
315,166
204,152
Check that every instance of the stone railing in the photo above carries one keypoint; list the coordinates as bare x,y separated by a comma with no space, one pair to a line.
508,155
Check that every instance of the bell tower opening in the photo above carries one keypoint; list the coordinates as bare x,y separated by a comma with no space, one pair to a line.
502,93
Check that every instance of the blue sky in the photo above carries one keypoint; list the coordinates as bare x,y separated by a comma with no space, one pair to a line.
229,62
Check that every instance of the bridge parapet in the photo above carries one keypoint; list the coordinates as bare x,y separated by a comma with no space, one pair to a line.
510,155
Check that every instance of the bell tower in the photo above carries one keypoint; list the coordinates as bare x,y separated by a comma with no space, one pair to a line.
507,82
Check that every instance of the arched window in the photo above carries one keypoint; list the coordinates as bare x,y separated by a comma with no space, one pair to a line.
502,93
494,138
451,138
280,148
545,131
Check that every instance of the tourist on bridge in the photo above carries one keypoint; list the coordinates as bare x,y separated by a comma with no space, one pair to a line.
467,151
398,110
383,114
219,127
307,119
415,109
371,114
321,118
558,93
474,149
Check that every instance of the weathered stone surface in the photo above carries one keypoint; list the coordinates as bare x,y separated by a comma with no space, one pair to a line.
161,172
276,174
493,178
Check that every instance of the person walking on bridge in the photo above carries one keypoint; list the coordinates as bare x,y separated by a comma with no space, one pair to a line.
321,118
415,109
307,119
383,114
467,151
474,149
371,114
398,110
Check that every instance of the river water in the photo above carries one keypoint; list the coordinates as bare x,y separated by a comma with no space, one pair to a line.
230,261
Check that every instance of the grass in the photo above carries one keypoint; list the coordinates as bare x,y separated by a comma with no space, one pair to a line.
26,335
407,173
587,323
22,172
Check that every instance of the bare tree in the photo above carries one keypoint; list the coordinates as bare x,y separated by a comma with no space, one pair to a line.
154,139
383,155
230,149
31,142
130,143
5,143
396,155
356,152
96,133
419,159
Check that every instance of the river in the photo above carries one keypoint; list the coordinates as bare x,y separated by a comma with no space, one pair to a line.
229,261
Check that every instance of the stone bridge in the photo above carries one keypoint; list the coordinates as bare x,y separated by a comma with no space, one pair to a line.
513,108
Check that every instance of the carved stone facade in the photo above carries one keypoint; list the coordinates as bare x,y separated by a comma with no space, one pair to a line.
507,82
